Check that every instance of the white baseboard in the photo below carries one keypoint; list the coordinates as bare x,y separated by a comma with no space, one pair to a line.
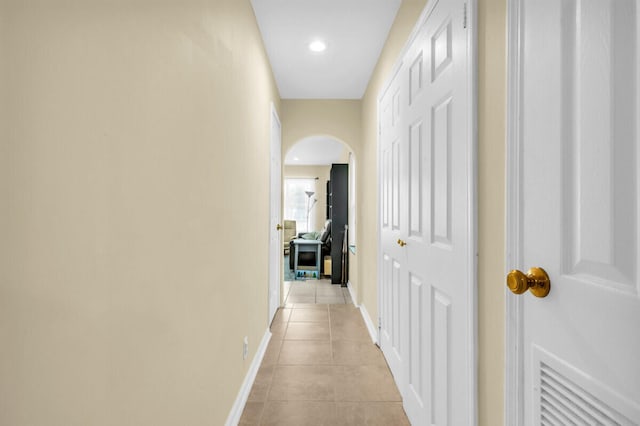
371,326
352,293
243,394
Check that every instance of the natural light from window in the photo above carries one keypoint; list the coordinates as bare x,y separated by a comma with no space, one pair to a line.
296,202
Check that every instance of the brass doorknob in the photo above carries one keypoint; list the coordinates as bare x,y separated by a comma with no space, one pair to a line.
536,280
278,227
401,243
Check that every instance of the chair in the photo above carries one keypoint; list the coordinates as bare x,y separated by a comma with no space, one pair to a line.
289,233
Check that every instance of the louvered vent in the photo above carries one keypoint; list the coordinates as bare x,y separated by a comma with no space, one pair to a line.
564,403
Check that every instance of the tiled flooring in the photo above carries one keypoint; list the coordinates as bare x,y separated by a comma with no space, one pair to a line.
321,368
315,291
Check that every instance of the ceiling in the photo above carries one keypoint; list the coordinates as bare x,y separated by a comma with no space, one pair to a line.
353,30
315,151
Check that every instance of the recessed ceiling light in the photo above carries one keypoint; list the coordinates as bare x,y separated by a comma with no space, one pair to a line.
295,158
317,46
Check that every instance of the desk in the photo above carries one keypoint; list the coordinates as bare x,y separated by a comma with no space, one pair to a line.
304,246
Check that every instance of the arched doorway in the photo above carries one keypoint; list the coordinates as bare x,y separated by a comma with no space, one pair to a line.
308,199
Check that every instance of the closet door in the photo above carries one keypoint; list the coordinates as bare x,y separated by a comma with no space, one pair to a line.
393,184
427,269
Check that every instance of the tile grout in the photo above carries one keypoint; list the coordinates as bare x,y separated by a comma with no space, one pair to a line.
336,369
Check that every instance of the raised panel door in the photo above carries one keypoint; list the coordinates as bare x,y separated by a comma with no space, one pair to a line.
579,211
426,196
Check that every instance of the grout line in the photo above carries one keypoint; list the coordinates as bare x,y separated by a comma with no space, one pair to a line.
334,371
275,365
264,406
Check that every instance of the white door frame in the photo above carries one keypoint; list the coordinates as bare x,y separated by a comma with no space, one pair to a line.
472,137
472,141
275,280
514,361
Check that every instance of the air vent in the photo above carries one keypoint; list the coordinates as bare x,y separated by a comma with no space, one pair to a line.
563,402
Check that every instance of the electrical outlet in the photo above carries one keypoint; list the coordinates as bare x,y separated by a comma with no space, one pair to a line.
245,347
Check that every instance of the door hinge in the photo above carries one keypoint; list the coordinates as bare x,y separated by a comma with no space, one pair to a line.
464,18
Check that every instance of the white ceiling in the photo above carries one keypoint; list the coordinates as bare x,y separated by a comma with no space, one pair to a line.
354,30
315,151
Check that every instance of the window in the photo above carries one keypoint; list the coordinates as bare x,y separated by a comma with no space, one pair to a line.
297,204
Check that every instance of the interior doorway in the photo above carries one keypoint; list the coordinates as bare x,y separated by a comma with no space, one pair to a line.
275,182
318,183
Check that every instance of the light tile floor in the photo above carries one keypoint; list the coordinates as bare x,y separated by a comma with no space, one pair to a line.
321,368
315,291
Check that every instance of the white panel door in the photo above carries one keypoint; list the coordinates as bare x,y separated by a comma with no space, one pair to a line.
426,239
393,299
576,212
275,240
438,235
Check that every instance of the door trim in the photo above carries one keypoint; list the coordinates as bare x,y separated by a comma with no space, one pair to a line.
514,361
472,143
274,118
472,185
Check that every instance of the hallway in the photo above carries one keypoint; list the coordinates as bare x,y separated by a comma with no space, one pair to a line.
135,152
321,368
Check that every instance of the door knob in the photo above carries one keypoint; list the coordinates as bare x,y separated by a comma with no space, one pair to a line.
401,243
536,280
278,227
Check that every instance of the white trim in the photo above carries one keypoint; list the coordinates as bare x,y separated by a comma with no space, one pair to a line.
243,394
274,118
371,327
352,293
514,362
472,188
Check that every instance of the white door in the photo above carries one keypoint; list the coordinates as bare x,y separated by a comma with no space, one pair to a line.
393,258
574,211
427,267
275,239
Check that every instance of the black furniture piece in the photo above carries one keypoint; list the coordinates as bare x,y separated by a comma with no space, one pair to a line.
308,259
338,210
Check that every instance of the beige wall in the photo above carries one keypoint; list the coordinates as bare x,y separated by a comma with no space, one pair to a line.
133,141
323,175
491,184
491,208
339,119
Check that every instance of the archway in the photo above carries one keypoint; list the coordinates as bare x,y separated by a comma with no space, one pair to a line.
307,170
